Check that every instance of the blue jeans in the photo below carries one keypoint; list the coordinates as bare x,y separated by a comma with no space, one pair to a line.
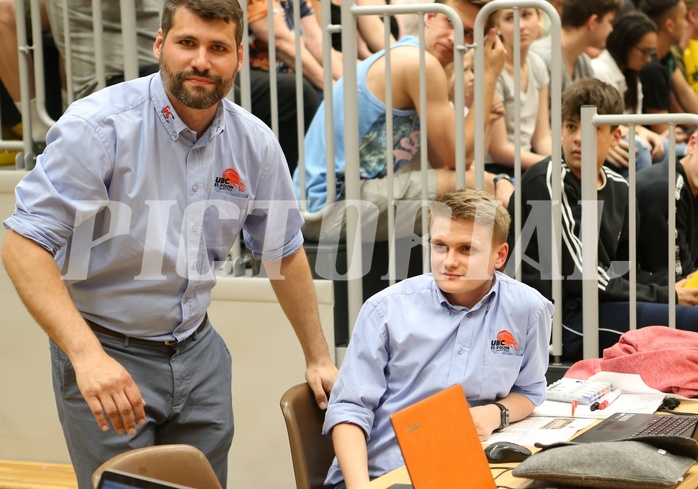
614,320
187,390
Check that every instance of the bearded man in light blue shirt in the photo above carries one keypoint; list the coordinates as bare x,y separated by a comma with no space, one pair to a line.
140,193
464,323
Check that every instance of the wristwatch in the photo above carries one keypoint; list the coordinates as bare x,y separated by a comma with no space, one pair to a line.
501,176
505,416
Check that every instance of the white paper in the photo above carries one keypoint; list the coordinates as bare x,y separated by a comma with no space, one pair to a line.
636,397
537,429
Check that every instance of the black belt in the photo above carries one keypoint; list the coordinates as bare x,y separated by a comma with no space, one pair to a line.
140,341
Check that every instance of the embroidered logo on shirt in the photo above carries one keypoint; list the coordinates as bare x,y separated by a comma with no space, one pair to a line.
505,342
167,112
229,181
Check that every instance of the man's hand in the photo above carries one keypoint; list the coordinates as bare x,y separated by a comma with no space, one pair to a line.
320,378
487,418
111,393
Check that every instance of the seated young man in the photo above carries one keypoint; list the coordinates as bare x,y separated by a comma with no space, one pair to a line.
463,323
653,206
613,234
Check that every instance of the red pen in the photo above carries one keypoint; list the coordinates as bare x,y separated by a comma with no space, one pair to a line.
609,398
574,407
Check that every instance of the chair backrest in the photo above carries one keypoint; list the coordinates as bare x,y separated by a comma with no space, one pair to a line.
311,452
179,464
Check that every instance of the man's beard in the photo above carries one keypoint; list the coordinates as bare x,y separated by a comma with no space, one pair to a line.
195,97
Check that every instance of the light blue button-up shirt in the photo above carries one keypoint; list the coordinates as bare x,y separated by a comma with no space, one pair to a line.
138,212
409,342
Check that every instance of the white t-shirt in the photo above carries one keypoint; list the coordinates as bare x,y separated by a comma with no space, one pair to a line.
537,80
606,69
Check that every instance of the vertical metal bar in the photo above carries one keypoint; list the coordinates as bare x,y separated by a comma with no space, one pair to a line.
671,275
129,37
39,76
300,106
245,92
632,226
589,227
23,59
556,183
517,94
97,31
389,158
68,46
351,151
273,88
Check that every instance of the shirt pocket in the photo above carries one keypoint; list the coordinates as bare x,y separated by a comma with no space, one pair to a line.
500,373
223,220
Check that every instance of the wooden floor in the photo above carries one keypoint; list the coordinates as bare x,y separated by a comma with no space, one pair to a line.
36,475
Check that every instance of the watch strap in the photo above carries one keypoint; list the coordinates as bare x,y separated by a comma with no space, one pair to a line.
505,416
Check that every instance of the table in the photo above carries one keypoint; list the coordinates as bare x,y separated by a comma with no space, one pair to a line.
36,475
400,475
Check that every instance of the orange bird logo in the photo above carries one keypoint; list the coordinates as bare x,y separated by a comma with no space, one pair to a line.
232,177
507,339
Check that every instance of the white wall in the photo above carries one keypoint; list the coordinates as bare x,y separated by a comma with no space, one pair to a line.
267,359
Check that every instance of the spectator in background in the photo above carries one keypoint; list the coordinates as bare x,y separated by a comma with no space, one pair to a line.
628,48
84,77
584,24
652,205
370,35
285,45
686,53
535,121
285,40
9,64
405,64
613,233
664,87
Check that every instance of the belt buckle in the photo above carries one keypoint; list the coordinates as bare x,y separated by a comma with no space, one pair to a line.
170,342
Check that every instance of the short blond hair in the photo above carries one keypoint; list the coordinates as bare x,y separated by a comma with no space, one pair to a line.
473,205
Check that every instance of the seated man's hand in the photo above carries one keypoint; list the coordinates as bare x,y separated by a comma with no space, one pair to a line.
487,418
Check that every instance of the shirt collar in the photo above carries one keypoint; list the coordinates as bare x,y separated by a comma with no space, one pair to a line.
486,299
169,118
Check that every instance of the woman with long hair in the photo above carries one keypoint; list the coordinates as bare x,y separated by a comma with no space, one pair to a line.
629,47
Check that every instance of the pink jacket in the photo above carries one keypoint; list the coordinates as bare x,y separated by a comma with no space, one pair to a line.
665,358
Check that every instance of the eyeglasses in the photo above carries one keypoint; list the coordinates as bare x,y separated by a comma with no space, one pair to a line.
646,52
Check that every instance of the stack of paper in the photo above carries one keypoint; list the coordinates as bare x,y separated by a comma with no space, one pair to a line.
635,397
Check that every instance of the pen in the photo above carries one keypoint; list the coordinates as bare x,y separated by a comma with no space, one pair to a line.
609,398
594,406
574,407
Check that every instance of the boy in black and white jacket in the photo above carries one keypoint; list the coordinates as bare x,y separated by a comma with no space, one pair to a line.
613,240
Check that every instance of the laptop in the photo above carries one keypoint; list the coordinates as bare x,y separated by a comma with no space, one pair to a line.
116,479
631,425
440,444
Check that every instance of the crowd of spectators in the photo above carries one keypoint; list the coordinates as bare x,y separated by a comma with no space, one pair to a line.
647,50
